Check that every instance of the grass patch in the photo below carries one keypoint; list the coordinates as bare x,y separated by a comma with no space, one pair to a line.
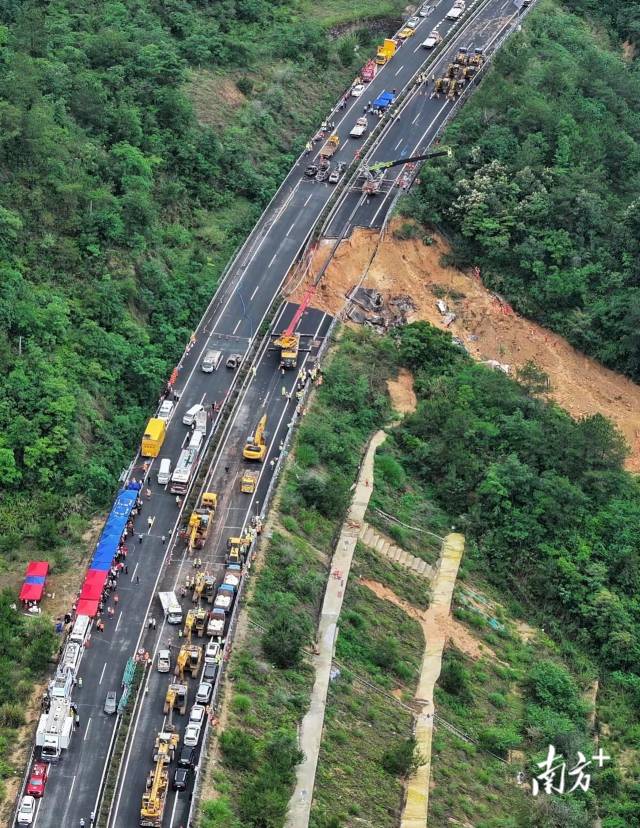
413,588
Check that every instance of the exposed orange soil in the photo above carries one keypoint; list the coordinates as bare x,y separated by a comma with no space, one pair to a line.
403,397
578,384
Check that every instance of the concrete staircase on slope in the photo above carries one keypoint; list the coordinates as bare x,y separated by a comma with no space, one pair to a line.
387,548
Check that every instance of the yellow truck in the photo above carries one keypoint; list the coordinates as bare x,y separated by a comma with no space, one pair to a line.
386,51
153,437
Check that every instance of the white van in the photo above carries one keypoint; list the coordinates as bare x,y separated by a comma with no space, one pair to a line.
164,472
190,416
196,440
211,361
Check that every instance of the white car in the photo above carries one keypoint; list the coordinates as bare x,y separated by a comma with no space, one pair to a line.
357,90
197,714
204,693
212,652
426,10
192,735
433,40
413,22
26,811
165,411
164,661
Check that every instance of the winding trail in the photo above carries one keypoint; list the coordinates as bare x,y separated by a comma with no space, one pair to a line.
313,722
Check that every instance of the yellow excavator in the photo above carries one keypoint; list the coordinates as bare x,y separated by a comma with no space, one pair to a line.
165,746
202,616
200,521
236,547
189,660
198,586
155,795
248,482
176,698
256,448
189,622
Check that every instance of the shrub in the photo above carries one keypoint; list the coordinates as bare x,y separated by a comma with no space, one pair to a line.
498,740
403,759
238,748
285,637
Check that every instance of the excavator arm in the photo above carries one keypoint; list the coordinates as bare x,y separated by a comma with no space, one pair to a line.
385,165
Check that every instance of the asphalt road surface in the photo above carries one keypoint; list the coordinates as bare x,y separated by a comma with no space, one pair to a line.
229,324
264,395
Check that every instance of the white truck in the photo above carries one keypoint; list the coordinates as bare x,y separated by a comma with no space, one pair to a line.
53,734
456,11
183,471
360,128
171,607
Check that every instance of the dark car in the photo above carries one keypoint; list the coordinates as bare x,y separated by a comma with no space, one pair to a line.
210,672
187,757
311,170
323,174
234,360
181,779
342,166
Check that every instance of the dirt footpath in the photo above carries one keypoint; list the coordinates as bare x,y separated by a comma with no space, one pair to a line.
489,330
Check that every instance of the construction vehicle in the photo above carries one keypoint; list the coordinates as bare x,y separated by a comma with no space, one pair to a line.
155,796
232,575
236,548
189,659
217,623
374,175
209,588
202,616
176,698
189,623
200,521
165,746
153,437
198,586
256,448
330,146
386,51
248,482
289,340
224,598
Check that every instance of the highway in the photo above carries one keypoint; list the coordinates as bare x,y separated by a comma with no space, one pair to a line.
232,319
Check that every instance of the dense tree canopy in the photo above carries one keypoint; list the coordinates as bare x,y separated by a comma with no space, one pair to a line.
118,211
542,189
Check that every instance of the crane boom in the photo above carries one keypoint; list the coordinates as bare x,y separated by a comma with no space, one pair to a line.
385,165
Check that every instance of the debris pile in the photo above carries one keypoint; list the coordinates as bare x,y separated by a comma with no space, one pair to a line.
367,307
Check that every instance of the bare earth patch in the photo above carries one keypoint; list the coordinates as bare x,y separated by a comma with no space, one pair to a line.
403,397
489,331
214,97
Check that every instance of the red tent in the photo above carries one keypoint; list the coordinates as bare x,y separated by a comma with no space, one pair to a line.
34,581
87,607
92,586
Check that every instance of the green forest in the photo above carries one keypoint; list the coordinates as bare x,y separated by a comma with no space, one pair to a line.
139,142
542,189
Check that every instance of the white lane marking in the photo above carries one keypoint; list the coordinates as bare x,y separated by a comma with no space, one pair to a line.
133,574
308,199
399,70
173,812
398,144
415,119
118,622
382,204
255,290
238,323
273,258
293,224
73,782
102,673
150,522
86,732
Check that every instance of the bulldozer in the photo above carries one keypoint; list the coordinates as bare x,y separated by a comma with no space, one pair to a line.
209,588
176,698
155,796
248,482
236,547
441,86
165,747
189,660
256,448
455,88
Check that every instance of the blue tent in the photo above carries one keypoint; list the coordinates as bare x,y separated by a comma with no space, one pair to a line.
113,529
383,100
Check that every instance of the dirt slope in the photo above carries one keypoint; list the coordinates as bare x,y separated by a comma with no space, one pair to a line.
489,331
